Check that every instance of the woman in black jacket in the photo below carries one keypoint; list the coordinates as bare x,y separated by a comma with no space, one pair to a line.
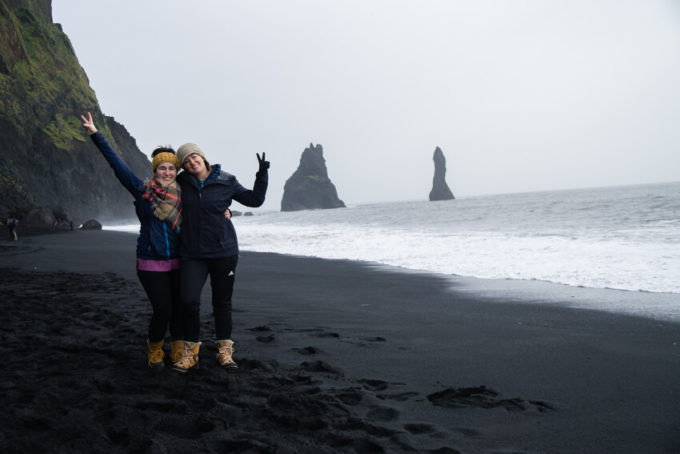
209,247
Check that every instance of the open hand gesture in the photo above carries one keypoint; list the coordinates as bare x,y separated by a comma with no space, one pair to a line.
264,165
88,124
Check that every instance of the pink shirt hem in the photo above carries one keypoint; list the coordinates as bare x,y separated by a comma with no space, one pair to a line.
157,265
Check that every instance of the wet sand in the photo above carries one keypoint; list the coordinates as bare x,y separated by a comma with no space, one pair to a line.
335,356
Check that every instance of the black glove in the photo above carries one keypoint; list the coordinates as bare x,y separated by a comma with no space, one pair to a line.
264,165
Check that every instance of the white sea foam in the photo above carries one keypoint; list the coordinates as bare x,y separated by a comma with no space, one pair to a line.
132,228
622,238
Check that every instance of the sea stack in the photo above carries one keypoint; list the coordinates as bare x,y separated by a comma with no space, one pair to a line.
309,187
440,190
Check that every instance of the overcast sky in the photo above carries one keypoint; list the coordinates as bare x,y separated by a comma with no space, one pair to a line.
519,95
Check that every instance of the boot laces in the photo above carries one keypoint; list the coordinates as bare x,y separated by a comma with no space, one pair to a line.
225,352
188,359
226,349
185,363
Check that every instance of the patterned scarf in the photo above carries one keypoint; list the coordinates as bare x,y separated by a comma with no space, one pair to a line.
166,201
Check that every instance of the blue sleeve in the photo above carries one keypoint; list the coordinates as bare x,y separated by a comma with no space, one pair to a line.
128,179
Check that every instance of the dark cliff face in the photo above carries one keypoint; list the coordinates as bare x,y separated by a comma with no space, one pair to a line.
440,190
47,158
309,187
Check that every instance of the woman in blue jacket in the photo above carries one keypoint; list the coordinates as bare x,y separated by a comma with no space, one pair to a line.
209,247
159,209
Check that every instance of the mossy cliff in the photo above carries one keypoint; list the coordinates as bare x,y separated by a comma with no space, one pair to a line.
47,158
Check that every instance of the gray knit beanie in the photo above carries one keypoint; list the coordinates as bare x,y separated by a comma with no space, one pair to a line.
187,150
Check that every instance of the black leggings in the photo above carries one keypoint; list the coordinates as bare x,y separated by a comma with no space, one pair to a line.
194,273
162,289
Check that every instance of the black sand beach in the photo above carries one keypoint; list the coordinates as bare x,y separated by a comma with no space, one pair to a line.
334,356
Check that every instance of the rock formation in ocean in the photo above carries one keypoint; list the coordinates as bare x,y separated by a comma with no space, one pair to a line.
48,161
309,187
440,190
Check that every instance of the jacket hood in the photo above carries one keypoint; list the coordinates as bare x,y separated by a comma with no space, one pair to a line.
216,176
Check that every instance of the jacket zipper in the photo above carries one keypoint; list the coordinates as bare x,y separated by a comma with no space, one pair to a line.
167,242
200,192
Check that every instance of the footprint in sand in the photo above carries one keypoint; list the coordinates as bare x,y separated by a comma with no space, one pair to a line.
260,329
357,424
320,366
278,382
349,396
383,414
316,332
483,397
418,428
307,351
398,396
255,364
374,385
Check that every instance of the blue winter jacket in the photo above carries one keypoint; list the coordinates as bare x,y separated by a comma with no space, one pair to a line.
206,233
157,240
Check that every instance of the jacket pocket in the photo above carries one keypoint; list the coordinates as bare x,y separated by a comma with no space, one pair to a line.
228,235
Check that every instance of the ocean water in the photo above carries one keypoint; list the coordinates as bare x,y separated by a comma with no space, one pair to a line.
624,238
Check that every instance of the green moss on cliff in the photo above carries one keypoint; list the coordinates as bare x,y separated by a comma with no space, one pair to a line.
48,79
47,156
63,130
9,105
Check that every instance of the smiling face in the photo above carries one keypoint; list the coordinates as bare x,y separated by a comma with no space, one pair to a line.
195,165
165,173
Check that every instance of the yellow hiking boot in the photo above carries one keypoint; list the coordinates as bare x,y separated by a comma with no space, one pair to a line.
225,350
189,358
155,354
176,350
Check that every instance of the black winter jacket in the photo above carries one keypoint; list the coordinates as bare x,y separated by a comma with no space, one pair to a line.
206,233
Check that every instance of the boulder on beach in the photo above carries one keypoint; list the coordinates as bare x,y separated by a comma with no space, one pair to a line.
309,187
440,190
92,224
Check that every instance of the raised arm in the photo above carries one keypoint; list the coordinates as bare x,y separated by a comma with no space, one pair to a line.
88,124
255,198
128,179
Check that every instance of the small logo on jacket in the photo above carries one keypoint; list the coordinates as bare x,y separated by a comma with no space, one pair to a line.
231,273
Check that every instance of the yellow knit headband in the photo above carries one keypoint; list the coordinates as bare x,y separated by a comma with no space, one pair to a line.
164,157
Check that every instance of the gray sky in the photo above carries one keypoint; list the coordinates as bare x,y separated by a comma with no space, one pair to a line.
520,95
